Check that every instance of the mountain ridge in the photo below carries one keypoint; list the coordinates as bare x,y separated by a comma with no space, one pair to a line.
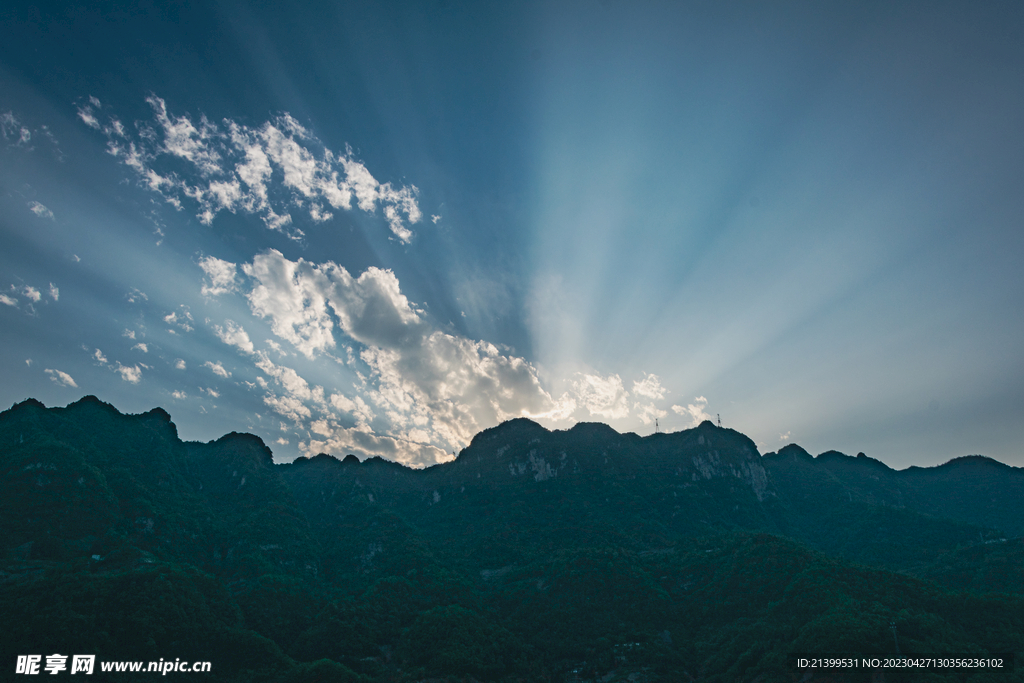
619,537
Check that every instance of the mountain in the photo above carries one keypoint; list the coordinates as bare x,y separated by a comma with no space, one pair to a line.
534,555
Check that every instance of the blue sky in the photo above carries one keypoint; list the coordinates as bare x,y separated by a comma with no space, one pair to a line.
380,228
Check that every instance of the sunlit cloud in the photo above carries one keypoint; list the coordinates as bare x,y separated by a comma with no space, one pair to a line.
217,369
601,396
272,170
40,210
695,411
61,378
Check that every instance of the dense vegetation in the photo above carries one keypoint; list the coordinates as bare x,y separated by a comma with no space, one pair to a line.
535,555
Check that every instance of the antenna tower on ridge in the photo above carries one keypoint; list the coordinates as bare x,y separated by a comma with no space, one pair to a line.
719,420
655,425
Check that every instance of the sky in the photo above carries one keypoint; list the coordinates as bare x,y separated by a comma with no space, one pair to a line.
380,228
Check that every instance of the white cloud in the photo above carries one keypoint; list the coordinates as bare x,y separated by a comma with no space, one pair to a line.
12,129
9,301
40,210
86,113
179,364
345,440
428,384
182,318
61,378
100,358
221,276
648,413
234,168
129,374
695,411
217,369
649,387
54,292
233,335
282,441
180,395
128,333
785,437
601,396
136,295
31,293
141,347
211,392
354,406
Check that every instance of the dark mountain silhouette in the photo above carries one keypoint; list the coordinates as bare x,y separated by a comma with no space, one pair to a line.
534,555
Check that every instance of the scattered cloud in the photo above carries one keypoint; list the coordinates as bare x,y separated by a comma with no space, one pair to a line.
182,318
129,374
695,411
13,130
17,134
31,293
61,378
601,396
179,364
211,392
649,387
217,369
40,210
141,347
785,437
180,395
220,274
100,358
8,301
648,413
54,292
271,170
128,333
428,384
136,295
233,335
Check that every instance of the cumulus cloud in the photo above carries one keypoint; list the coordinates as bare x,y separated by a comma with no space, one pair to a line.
432,387
363,444
141,347
130,374
100,358
695,411
649,387
648,412
179,364
220,276
270,170
136,295
54,292
234,335
182,319
601,396
40,210
217,369
8,301
61,378
31,293
180,395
